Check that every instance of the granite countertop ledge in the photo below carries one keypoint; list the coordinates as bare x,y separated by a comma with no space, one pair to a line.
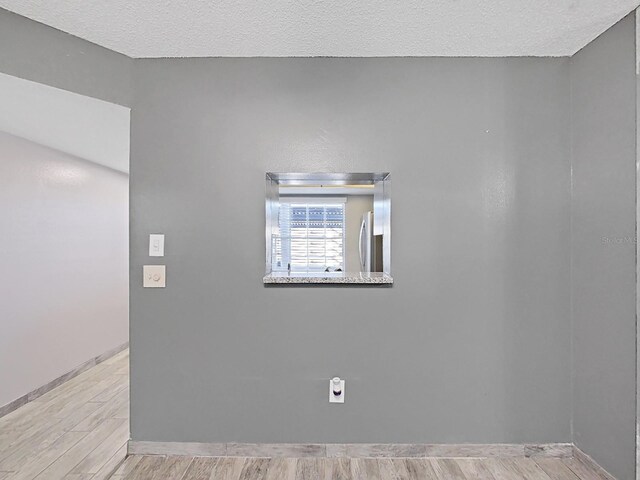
284,278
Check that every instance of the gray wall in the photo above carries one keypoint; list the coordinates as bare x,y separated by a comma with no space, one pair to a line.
63,261
43,54
475,331
603,87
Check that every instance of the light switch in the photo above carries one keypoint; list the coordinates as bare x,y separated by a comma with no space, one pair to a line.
154,276
156,245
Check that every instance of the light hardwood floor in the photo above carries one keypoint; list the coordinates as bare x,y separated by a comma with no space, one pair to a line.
78,431
236,468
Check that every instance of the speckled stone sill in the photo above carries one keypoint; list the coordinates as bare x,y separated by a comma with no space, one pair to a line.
346,278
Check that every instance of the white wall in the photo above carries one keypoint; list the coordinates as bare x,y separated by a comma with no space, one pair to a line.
63,263
76,124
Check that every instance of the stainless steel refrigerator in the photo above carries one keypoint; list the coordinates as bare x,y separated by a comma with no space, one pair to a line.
365,242
369,246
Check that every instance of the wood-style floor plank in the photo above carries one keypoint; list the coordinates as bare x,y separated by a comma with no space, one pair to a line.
388,470
76,431
201,468
146,468
474,469
68,460
499,468
281,469
112,464
228,469
173,467
254,469
334,469
420,469
126,467
40,434
527,468
37,464
94,461
584,472
365,469
447,468
35,441
105,410
555,469
310,469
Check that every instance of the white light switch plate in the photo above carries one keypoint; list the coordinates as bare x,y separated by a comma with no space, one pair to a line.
154,276
156,245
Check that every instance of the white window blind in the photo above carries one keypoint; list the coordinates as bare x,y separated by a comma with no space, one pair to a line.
311,235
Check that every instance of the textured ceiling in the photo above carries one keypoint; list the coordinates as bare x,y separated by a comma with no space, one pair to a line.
367,28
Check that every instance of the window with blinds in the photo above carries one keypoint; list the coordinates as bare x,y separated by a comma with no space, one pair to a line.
311,236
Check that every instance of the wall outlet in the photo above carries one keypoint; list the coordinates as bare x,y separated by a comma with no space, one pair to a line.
336,390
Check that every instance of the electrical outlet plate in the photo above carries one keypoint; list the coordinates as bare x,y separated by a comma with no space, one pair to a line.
333,398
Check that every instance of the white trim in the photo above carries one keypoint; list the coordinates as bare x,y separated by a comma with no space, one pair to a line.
319,200
329,191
